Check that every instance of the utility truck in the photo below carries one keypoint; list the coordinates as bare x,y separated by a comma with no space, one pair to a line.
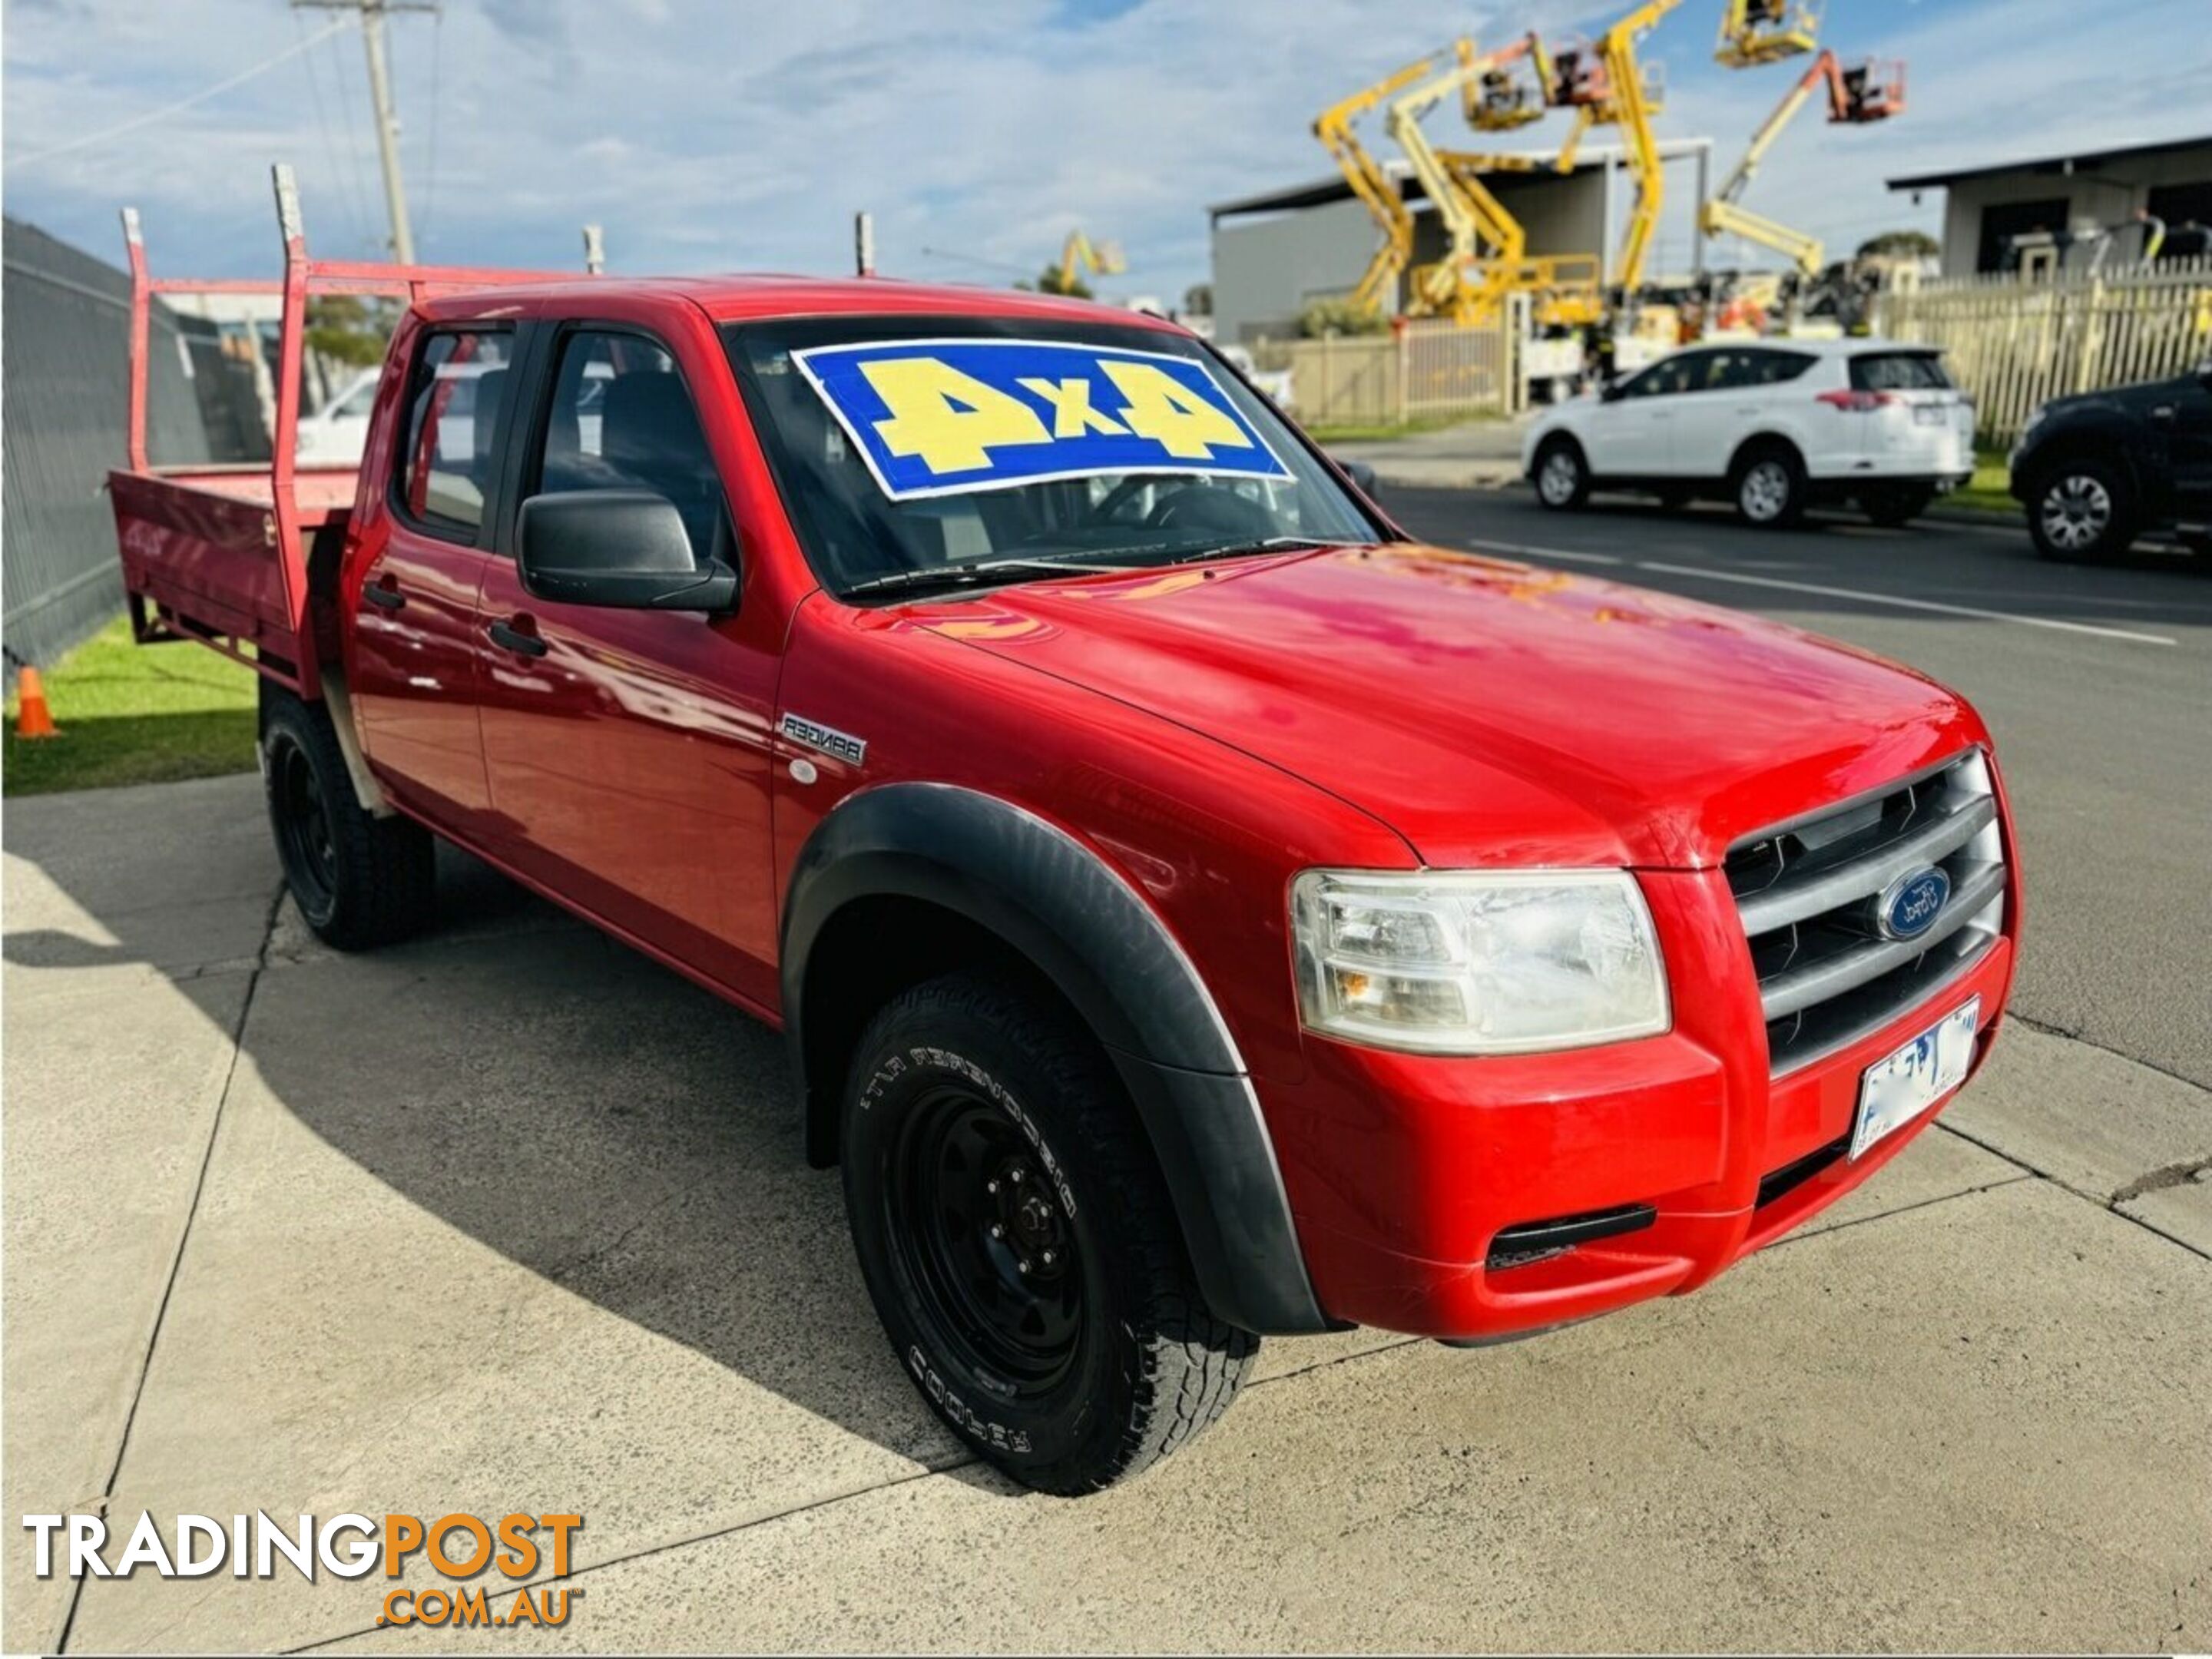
1195,910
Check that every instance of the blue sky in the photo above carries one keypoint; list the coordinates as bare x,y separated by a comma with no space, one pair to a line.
709,135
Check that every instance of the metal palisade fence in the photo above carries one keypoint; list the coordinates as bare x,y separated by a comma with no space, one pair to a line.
1419,368
67,328
2015,343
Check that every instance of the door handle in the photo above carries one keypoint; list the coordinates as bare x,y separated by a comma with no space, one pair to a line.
514,639
383,592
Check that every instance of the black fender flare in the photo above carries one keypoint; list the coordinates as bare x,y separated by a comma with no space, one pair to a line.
1060,906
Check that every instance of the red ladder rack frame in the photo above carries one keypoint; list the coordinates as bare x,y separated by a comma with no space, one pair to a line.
304,277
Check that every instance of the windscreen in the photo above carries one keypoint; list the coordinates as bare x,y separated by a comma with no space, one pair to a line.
940,445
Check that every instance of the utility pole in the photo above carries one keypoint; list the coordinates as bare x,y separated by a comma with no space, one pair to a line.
379,97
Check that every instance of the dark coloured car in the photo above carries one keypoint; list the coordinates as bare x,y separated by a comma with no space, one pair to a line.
2098,470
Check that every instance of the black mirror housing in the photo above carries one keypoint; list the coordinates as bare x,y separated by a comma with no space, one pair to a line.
1362,475
626,549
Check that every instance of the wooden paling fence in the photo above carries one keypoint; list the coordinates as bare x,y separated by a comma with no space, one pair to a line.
2016,343
1423,369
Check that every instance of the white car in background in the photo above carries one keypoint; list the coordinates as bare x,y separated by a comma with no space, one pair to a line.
1774,426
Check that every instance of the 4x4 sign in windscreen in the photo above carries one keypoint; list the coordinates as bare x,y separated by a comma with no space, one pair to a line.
941,417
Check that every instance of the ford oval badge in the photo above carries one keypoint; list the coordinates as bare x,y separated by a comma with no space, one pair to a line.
1909,906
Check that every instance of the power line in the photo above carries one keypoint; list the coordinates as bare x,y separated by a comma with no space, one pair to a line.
181,104
343,181
430,166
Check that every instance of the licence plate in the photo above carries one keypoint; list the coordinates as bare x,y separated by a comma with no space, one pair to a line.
1929,415
1894,1091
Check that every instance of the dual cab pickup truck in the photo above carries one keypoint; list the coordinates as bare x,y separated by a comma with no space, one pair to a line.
1195,910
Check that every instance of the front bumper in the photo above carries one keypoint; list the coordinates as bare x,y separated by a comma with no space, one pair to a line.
1404,1170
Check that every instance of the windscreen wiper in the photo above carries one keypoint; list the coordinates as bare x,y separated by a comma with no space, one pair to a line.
1184,554
975,573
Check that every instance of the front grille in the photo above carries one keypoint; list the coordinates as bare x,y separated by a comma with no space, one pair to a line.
1807,892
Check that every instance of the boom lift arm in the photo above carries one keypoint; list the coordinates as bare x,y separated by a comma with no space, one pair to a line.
1863,93
1605,86
1487,259
1374,186
1079,253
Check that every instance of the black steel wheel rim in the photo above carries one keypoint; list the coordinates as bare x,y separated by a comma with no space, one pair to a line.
303,824
988,1246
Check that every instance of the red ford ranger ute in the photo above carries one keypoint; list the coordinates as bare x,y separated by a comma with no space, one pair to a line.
1195,910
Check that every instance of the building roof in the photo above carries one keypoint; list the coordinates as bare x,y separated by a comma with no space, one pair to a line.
2074,162
1332,187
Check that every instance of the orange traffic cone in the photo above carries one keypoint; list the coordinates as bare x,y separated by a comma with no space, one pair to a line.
32,718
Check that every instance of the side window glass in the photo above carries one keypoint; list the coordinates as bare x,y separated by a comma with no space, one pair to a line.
623,419
451,430
1730,370
1782,366
1658,381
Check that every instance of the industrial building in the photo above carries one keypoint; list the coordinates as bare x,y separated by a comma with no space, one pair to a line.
1277,252
2071,207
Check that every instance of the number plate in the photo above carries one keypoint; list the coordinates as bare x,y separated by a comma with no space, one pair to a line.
1929,415
1894,1091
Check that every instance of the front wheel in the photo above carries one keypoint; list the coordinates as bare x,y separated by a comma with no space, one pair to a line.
1562,475
1018,1243
2081,512
360,880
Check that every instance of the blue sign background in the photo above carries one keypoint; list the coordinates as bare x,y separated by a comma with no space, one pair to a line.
840,375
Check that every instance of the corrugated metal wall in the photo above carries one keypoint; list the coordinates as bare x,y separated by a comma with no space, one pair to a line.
67,339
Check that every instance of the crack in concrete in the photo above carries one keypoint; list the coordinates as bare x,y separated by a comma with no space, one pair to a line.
184,1242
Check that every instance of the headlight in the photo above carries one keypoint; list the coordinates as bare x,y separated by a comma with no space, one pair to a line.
1467,963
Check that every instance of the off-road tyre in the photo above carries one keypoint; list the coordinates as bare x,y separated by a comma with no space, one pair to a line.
1073,1349
360,880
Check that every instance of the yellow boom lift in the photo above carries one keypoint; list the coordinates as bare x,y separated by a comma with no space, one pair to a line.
1488,258
1864,93
1602,81
1080,254
1336,128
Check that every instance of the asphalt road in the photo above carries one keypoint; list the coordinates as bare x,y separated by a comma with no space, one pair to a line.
2097,683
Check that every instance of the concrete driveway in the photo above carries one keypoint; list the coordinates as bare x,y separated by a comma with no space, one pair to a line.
509,1219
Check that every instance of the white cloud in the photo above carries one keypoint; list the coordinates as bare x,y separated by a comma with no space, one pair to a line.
712,135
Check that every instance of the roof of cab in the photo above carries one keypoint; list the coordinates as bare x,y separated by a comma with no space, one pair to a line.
740,298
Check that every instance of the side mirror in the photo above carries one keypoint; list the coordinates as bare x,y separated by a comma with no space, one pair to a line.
625,547
1363,474
1612,391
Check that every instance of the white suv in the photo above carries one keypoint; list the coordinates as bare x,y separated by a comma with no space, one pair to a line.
1773,425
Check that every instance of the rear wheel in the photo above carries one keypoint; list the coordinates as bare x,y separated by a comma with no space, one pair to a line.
359,881
2081,512
1562,475
1019,1242
1895,506
1769,487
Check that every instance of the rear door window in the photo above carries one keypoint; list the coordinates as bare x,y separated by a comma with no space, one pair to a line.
1774,368
456,402
1899,371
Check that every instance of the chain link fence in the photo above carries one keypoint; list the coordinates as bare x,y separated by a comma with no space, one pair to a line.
66,325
